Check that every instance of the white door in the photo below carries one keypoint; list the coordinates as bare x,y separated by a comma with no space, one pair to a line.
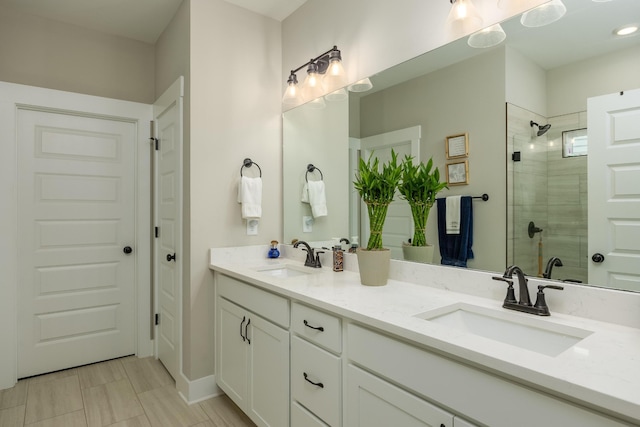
398,226
76,214
614,190
167,112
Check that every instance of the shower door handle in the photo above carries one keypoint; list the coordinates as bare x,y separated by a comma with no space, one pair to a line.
597,258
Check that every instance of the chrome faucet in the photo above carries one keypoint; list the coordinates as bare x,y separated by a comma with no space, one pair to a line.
524,303
553,262
313,257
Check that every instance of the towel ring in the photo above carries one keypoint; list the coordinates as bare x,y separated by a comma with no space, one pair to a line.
311,168
247,163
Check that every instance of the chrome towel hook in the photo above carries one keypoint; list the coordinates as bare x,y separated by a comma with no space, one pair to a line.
247,163
311,168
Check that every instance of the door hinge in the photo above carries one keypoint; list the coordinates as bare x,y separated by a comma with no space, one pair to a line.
157,232
152,135
157,319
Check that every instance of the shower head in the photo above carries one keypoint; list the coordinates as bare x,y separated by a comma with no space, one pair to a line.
541,129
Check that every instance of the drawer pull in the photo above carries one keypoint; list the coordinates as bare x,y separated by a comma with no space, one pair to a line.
246,331
306,378
317,328
241,324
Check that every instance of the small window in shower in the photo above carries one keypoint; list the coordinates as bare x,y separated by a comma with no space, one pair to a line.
574,143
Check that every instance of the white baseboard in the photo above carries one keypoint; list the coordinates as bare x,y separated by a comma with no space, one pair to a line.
197,390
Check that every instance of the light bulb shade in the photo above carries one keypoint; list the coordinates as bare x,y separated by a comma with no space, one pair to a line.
361,85
317,103
544,14
463,18
312,85
337,95
487,37
292,94
335,77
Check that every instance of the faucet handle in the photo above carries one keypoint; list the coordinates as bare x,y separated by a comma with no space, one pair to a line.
541,303
511,294
317,262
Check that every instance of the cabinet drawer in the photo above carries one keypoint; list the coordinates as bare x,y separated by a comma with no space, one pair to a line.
300,417
311,364
270,306
316,326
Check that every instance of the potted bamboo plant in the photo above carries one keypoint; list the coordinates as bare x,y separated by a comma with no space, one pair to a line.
419,187
376,185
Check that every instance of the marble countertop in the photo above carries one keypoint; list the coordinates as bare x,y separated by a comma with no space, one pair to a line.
601,371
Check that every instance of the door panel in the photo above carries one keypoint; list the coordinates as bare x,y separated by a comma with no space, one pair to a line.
614,193
76,207
168,204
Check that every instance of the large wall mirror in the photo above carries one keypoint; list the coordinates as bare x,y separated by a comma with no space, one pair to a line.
542,75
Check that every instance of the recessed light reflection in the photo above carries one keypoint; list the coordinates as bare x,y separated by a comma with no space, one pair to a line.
626,30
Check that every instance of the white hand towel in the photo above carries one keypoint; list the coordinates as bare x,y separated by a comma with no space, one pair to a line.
305,193
250,196
453,215
317,198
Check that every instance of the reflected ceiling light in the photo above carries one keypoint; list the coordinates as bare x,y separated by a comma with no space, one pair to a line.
463,17
544,14
487,37
317,103
361,85
337,95
626,30
324,72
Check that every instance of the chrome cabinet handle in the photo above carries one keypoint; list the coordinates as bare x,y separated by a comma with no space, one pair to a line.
171,257
306,378
317,328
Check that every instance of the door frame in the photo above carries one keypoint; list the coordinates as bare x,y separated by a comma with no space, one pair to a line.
11,97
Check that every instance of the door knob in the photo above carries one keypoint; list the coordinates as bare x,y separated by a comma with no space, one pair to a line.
171,257
127,250
597,258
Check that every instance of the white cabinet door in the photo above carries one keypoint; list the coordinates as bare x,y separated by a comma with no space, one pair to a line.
232,351
459,422
252,364
269,372
373,402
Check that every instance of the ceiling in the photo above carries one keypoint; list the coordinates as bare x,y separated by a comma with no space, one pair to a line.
142,20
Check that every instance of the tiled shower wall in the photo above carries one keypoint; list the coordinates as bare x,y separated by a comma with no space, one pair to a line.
549,190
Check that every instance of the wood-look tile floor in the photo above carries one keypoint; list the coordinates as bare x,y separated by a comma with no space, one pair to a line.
127,392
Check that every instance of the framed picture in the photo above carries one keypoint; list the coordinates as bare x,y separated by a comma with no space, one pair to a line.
458,173
457,146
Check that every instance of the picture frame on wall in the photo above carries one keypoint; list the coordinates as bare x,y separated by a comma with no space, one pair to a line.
457,146
458,173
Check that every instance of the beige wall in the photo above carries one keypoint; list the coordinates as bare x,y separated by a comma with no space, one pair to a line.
45,53
569,87
449,102
235,112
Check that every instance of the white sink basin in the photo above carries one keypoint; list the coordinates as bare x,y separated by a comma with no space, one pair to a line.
285,270
531,333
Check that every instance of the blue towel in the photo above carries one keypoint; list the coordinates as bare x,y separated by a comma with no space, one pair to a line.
455,249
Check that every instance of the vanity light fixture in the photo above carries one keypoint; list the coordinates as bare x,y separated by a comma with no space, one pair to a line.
487,37
324,73
544,14
463,17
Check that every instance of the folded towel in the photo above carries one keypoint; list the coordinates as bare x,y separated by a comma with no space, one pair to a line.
317,198
250,196
455,249
453,214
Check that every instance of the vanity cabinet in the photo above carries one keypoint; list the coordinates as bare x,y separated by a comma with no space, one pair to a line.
252,350
472,393
316,367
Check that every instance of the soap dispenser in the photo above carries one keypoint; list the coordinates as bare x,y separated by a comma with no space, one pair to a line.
273,250
338,258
